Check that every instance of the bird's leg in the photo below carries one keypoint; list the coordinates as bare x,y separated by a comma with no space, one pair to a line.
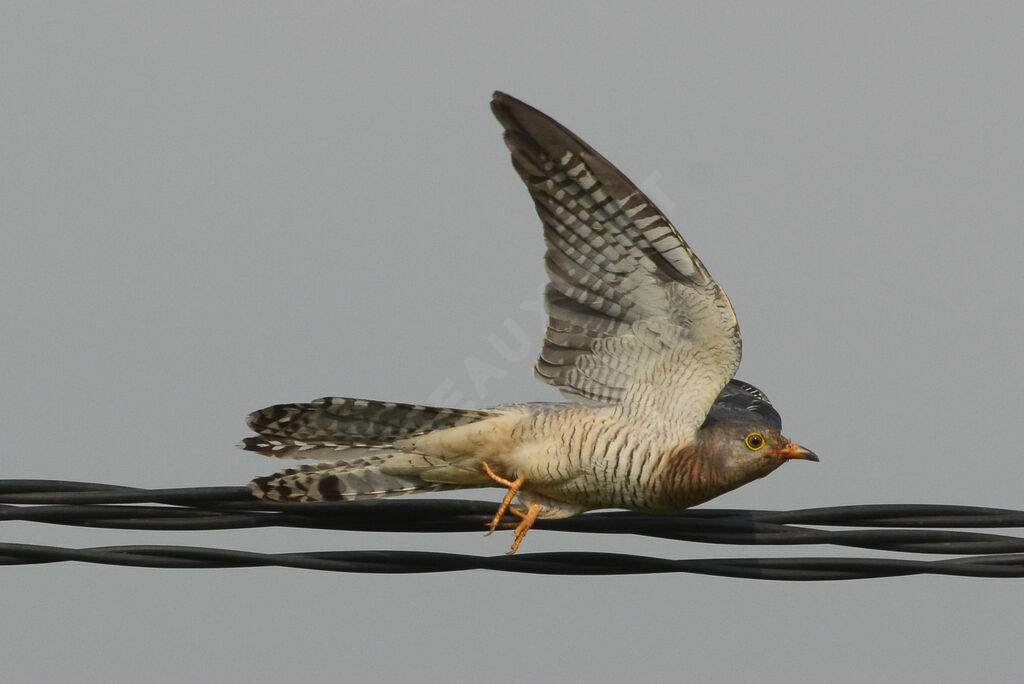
529,517
513,489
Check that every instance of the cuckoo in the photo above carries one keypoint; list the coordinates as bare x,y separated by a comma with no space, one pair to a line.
640,339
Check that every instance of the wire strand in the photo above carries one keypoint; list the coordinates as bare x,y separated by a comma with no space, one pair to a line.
897,528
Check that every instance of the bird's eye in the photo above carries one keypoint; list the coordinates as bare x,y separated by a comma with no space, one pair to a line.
754,441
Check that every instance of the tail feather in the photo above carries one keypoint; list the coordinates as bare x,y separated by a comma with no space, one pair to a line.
331,452
340,423
354,438
334,482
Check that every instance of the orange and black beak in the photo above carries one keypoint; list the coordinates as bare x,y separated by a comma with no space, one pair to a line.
792,450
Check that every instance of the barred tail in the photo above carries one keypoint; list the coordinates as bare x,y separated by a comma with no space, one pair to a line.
326,428
355,437
337,482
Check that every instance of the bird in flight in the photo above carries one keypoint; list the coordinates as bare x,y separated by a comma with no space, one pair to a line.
640,338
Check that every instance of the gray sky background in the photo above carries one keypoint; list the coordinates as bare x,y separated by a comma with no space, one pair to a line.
207,209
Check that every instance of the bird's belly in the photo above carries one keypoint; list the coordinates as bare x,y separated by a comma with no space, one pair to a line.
591,491
622,477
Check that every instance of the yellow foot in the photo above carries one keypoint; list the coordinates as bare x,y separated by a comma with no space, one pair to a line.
513,489
529,517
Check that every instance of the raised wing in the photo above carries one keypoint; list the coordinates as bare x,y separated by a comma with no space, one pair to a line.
634,319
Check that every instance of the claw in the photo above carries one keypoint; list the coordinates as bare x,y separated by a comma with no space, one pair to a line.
523,527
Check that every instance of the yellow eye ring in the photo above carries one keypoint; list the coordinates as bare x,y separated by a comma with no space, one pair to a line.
754,441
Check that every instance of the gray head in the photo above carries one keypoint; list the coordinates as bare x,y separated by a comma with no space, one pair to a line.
740,452
740,441
746,431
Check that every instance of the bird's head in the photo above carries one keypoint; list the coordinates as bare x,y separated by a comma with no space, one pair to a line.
724,456
741,452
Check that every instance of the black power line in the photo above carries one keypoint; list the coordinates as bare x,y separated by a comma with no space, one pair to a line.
900,528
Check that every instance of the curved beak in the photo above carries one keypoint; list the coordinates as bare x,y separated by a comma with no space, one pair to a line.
792,450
